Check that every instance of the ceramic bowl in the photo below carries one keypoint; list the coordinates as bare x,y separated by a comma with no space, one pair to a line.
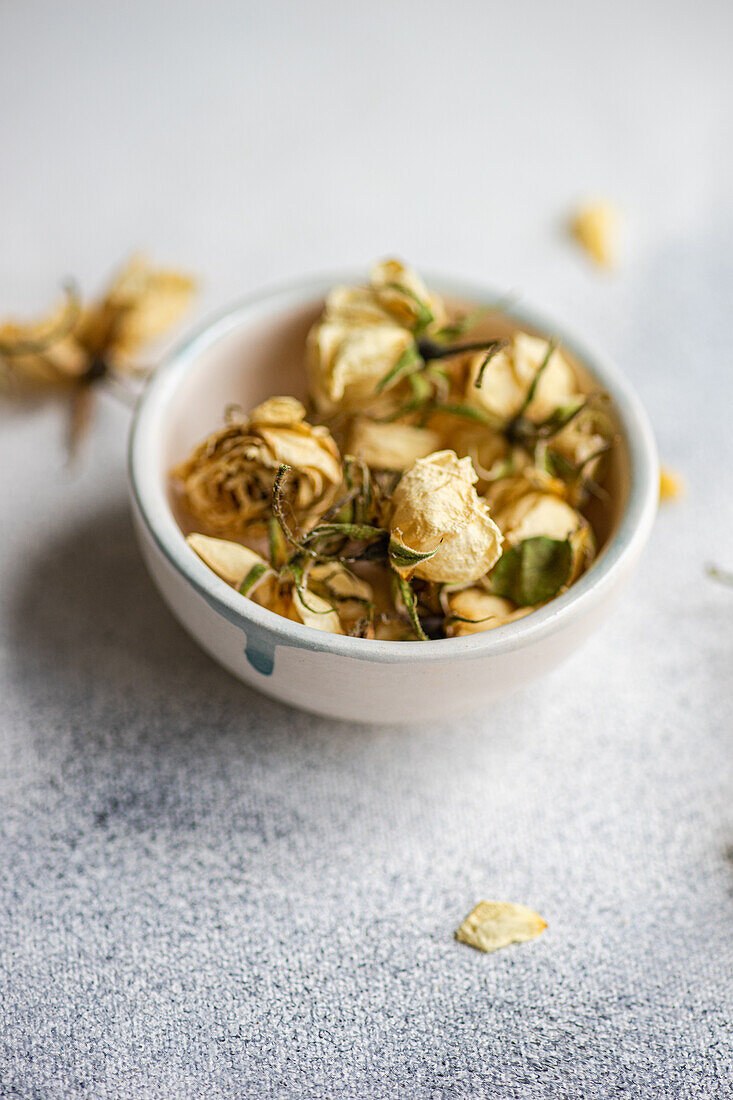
255,350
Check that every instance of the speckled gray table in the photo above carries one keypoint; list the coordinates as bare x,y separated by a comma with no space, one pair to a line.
203,894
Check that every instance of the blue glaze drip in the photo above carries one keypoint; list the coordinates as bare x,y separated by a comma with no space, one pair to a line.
261,655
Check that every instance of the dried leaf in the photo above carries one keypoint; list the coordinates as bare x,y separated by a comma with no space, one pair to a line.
495,924
533,571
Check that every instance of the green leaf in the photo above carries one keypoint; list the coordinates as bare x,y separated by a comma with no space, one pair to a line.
533,571
255,574
551,346
409,361
404,559
278,544
487,359
468,412
345,530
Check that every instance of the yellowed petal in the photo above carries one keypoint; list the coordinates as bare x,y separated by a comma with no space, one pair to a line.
390,446
595,227
484,612
495,924
279,411
229,560
671,485
316,612
538,513
341,582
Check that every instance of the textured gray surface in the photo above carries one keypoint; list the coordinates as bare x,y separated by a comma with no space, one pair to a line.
205,894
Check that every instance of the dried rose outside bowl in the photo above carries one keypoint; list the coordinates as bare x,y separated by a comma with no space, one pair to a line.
255,350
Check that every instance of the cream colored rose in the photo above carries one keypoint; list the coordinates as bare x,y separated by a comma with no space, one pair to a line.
390,446
508,375
436,508
481,610
249,573
363,333
348,355
227,481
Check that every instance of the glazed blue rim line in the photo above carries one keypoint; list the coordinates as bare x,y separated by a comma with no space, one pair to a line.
633,526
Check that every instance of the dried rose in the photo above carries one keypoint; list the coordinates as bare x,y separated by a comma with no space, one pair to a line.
349,352
390,446
227,481
140,304
365,334
437,512
501,385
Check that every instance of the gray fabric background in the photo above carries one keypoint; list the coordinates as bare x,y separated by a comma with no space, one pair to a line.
204,894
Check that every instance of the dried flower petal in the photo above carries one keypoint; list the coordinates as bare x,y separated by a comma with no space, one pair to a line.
436,508
390,446
229,560
537,513
595,227
670,485
495,924
473,610
316,612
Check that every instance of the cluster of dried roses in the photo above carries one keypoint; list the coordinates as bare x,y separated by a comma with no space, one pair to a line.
460,477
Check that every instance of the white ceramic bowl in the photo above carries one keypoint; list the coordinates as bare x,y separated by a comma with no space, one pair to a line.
255,350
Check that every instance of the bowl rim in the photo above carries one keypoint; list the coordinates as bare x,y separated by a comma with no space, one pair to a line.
150,500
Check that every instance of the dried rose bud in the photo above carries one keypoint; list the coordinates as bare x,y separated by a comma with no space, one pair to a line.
227,481
436,510
502,385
